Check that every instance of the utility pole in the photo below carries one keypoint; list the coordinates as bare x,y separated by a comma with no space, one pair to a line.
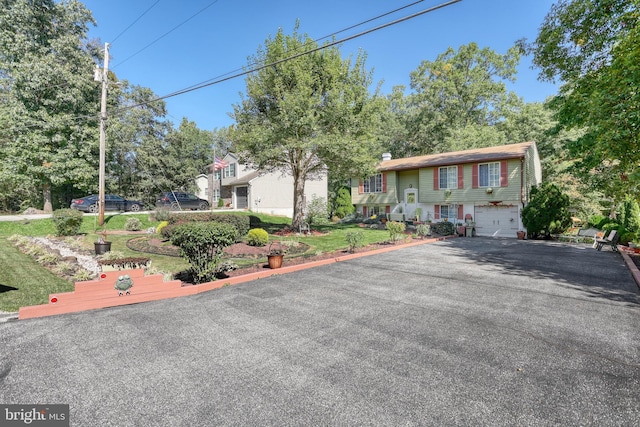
103,122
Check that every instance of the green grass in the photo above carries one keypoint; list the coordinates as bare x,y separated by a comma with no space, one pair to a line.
24,282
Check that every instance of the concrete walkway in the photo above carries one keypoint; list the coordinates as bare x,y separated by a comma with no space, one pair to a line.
461,332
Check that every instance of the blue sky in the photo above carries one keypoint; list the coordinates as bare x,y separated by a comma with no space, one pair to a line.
220,38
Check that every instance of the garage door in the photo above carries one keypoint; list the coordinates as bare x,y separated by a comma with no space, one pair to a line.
496,221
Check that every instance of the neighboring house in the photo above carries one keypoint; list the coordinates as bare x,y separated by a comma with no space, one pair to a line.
266,192
488,186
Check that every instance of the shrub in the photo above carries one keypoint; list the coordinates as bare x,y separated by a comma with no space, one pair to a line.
241,222
630,215
257,237
594,220
317,212
396,230
343,204
444,228
133,224
221,202
423,230
202,244
627,237
67,221
160,226
547,212
355,239
162,214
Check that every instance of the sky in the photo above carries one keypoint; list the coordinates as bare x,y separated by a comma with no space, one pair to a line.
170,45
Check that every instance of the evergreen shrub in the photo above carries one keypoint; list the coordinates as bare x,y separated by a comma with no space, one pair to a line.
67,221
257,237
444,228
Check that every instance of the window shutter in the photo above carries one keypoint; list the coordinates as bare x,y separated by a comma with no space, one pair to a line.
364,211
384,182
387,209
436,185
360,187
474,176
504,173
460,176
436,214
460,212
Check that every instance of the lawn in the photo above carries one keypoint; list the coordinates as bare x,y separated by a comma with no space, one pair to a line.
25,282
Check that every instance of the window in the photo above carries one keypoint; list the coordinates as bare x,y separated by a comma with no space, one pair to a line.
376,210
489,174
373,184
229,171
444,211
448,177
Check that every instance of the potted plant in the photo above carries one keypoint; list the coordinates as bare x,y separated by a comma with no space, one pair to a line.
102,246
521,235
275,255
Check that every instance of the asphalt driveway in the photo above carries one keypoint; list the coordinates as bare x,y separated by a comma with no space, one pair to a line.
469,331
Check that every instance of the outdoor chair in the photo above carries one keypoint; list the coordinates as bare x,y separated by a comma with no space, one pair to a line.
611,239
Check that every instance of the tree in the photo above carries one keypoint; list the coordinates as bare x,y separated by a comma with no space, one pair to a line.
547,212
459,95
343,204
593,47
136,158
48,118
306,115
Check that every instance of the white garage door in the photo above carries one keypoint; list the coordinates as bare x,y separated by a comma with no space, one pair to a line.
496,221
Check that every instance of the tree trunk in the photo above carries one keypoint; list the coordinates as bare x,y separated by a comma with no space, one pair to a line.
298,201
46,194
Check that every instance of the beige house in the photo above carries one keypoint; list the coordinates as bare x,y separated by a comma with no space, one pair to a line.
488,186
266,192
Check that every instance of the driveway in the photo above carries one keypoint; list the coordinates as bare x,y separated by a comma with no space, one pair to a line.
468,331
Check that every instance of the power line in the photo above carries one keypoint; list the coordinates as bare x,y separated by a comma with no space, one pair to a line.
294,56
167,33
134,22
255,64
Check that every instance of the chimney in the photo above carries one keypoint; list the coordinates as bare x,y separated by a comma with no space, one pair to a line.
386,156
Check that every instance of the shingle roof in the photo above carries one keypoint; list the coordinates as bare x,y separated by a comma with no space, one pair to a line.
488,154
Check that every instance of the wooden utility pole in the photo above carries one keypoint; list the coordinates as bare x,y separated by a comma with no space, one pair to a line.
103,122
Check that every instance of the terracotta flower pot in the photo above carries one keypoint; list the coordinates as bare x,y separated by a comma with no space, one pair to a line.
275,261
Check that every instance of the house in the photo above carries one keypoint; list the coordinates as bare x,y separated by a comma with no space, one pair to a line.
268,192
488,186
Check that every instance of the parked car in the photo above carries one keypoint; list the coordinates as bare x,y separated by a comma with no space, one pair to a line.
111,203
181,200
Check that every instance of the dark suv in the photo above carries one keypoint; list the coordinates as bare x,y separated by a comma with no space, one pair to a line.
181,200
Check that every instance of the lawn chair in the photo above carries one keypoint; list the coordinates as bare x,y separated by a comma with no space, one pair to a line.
611,239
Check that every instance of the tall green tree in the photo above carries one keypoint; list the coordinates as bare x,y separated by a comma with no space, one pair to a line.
305,115
50,103
457,96
137,162
593,48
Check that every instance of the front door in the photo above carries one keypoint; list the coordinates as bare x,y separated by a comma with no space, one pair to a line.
242,201
410,202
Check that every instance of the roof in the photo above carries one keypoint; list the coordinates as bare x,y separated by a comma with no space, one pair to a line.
245,179
488,154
